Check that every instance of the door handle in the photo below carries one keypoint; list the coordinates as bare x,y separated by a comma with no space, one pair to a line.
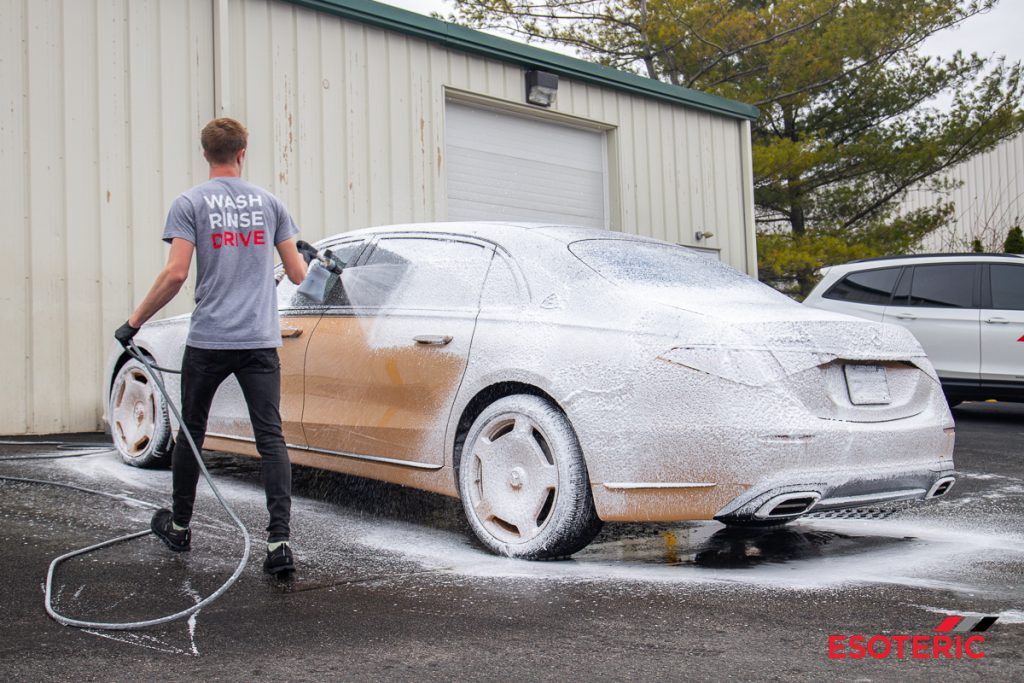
290,332
432,339
997,321
905,316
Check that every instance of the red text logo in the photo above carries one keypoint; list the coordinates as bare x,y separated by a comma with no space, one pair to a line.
951,646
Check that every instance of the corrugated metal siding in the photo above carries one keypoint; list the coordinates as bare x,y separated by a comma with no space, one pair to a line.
105,100
989,202
99,99
355,119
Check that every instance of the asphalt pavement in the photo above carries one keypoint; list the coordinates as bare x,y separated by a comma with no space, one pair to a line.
391,585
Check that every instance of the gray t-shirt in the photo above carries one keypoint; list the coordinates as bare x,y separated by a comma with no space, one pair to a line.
235,227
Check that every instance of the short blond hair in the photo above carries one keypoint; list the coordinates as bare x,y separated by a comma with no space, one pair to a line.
222,139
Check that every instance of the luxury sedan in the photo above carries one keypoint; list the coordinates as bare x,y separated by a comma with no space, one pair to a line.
556,377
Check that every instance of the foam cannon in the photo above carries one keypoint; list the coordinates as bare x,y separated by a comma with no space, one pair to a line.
322,264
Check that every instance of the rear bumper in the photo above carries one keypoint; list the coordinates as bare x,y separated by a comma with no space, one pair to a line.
731,502
781,498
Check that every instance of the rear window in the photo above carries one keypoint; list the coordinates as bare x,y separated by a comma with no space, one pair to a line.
866,287
664,266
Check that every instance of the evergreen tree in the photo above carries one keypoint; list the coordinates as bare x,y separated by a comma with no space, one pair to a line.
1014,241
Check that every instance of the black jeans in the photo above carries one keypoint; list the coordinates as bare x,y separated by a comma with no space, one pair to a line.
259,374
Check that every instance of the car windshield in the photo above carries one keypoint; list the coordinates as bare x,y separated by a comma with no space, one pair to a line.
666,268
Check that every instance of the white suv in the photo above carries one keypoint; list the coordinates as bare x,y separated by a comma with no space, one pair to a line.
967,311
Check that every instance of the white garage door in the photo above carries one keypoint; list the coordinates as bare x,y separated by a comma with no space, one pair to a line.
506,167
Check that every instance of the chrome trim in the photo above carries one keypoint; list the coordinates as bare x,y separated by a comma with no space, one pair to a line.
868,498
764,512
935,487
354,456
629,485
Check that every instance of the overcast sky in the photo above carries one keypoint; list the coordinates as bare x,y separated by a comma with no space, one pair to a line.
998,32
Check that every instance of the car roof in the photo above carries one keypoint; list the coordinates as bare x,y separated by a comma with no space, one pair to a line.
972,256
499,231
892,261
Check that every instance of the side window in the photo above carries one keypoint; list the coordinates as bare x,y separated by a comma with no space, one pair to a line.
1007,287
943,286
288,297
419,272
865,287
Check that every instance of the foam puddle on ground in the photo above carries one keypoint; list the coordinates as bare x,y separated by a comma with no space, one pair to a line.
814,554
809,554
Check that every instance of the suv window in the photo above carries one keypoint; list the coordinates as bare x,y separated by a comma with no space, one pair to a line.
288,298
943,286
866,287
420,272
1007,287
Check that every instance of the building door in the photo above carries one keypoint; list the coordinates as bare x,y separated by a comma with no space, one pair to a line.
507,167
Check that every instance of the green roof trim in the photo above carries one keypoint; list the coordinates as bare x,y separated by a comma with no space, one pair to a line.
505,50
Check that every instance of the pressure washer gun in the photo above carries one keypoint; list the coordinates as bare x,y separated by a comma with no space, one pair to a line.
317,284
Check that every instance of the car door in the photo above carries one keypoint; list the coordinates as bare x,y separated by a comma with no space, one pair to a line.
382,369
299,316
1002,324
939,303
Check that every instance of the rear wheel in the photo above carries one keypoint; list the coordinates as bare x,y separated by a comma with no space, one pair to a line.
524,482
139,424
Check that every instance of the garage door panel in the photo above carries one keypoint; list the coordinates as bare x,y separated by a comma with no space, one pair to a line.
543,186
502,166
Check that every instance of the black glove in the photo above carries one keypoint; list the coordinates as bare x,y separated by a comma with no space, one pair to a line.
307,250
125,333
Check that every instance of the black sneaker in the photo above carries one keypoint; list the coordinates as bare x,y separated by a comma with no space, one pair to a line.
161,525
279,561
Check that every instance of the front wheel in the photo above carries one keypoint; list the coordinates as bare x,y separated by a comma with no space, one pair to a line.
524,482
139,423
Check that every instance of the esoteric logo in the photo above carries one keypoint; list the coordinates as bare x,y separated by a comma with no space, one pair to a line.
960,639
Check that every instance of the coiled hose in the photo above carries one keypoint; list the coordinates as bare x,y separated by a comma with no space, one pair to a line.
151,370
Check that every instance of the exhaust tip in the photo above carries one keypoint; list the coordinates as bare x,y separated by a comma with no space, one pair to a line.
941,487
787,505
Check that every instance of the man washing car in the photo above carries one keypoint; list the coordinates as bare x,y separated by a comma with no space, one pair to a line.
234,228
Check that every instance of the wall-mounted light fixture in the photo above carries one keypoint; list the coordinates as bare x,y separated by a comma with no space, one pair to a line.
541,88
701,235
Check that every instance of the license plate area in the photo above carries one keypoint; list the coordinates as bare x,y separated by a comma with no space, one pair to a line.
867,385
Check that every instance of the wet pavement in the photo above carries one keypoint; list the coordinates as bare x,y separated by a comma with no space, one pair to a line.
392,587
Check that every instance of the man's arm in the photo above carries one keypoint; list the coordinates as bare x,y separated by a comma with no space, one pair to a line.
294,264
168,282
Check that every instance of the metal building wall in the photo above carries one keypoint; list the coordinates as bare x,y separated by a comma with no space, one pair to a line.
106,98
101,102
347,125
989,201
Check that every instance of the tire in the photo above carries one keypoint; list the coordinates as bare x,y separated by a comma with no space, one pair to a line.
524,482
139,425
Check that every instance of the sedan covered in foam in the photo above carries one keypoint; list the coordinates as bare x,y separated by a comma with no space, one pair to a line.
555,377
